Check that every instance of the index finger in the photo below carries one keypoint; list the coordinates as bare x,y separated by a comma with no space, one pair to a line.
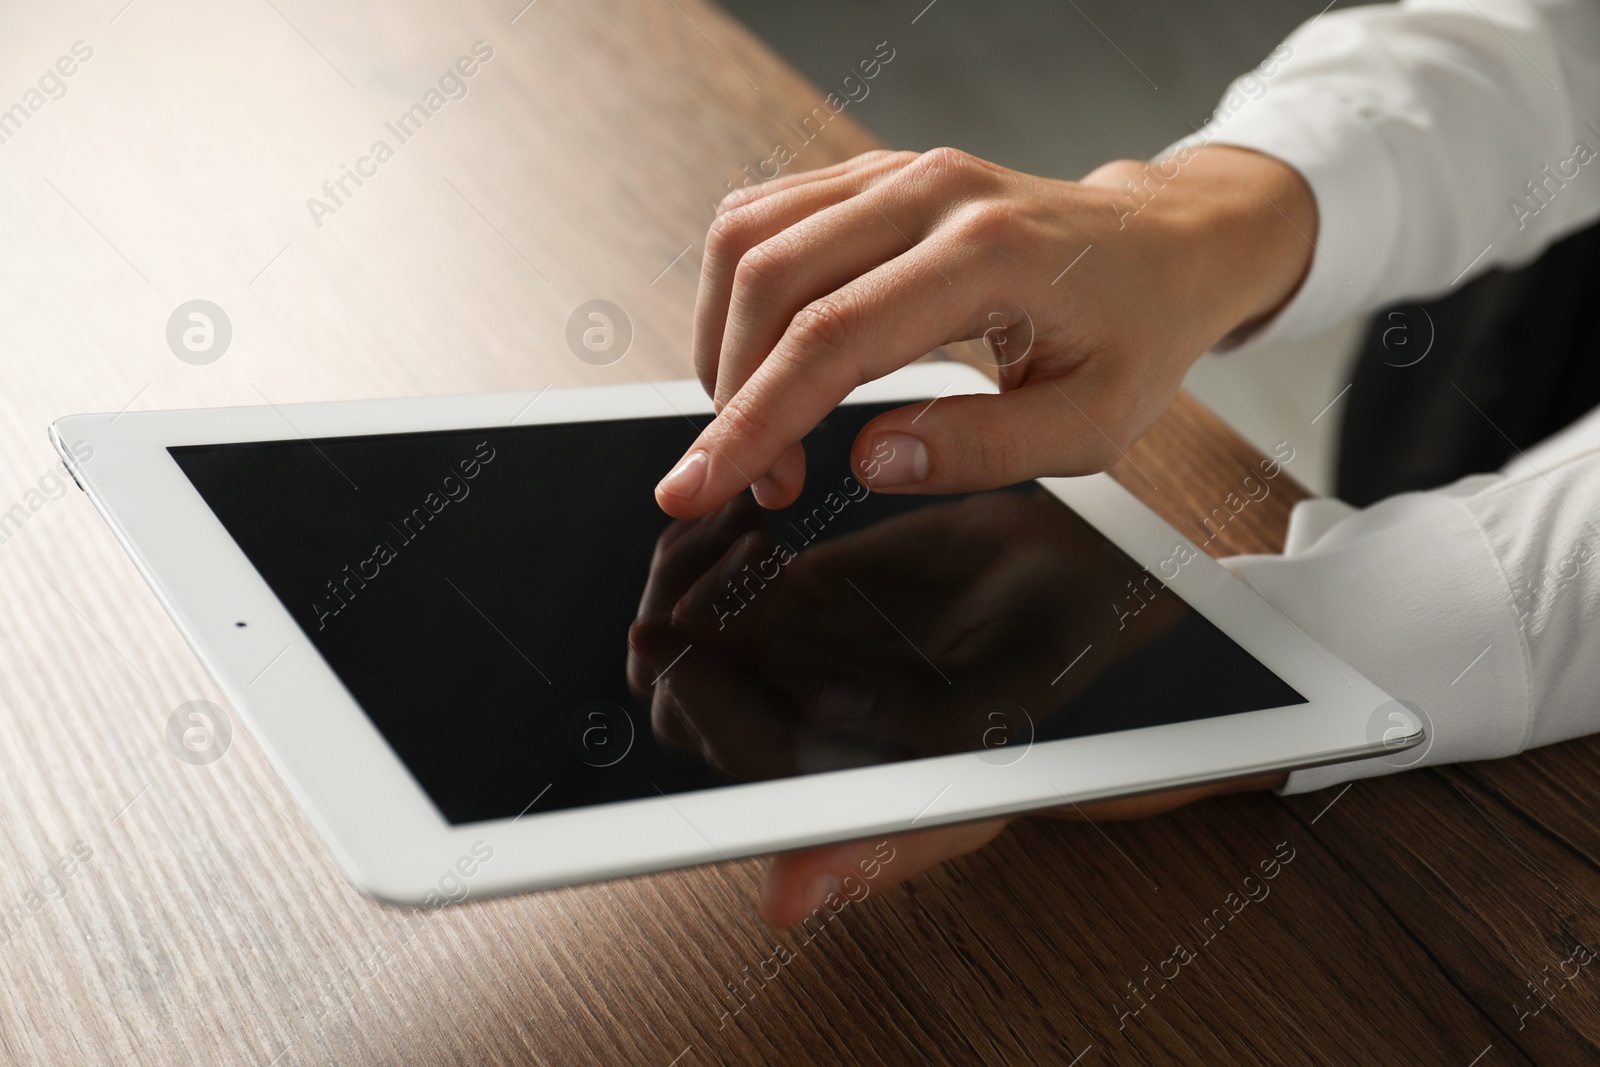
883,320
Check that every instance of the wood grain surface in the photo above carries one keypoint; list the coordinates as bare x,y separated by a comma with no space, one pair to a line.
162,913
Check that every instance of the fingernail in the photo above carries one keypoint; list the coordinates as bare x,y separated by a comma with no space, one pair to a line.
896,459
765,490
820,889
687,477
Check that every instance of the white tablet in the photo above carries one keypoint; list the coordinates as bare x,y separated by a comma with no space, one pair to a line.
484,661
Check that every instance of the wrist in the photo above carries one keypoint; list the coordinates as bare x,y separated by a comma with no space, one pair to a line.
1242,227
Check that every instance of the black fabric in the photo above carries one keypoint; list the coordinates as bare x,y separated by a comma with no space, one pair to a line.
1522,345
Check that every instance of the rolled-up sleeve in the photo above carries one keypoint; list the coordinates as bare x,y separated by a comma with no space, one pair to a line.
1440,138
1478,602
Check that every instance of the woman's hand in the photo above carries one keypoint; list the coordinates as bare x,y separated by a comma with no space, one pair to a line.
1094,296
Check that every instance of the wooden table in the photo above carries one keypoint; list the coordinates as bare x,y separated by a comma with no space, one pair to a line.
192,917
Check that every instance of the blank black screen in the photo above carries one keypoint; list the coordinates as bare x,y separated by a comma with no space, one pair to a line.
475,591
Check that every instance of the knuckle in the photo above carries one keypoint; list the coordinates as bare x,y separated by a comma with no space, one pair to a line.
738,198
761,267
889,162
948,163
743,421
731,234
823,325
987,219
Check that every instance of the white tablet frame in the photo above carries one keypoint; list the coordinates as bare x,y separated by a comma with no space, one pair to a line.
395,845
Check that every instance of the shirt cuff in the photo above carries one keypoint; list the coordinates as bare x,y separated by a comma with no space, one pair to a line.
1411,594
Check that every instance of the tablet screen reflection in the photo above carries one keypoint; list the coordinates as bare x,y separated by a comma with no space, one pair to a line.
984,623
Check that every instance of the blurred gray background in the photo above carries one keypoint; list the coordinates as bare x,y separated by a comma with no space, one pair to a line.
1056,88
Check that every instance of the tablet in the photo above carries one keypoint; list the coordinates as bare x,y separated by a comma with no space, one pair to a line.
484,661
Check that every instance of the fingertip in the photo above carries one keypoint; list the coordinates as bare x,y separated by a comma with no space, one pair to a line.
781,485
970,442
801,883
796,886
648,635
674,506
668,723
705,479
890,459
677,492
767,492
772,906
648,638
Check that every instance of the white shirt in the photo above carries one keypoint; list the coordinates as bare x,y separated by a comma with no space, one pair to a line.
1442,138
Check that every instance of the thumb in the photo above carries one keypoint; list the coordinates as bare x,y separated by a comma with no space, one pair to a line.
800,884
962,444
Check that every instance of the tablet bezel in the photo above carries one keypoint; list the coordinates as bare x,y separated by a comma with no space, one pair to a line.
395,845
